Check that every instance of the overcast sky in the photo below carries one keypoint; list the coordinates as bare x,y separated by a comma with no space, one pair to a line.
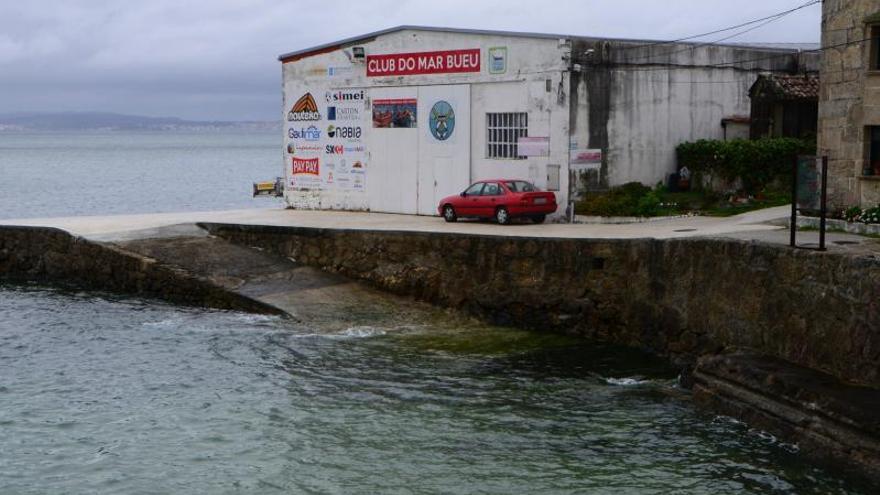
217,59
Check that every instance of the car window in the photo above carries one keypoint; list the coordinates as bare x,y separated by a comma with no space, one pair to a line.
520,186
491,189
474,190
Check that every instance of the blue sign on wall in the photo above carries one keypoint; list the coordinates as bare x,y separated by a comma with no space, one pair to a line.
442,120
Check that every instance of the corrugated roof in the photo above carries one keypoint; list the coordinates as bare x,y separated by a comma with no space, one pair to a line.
327,47
787,87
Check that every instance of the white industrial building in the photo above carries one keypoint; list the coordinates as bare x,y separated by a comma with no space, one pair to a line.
394,120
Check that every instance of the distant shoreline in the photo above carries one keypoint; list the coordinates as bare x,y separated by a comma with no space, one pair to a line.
108,122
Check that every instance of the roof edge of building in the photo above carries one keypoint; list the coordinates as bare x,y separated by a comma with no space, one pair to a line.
327,47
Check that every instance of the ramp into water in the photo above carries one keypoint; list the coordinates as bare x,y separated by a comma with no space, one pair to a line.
326,301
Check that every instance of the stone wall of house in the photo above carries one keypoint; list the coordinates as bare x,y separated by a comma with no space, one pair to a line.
849,100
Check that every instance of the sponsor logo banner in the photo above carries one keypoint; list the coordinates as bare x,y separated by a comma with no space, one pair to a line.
306,166
343,113
441,62
311,133
339,71
302,149
304,109
344,132
400,112
341,96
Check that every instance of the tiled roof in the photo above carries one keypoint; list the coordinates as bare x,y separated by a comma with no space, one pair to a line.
785,87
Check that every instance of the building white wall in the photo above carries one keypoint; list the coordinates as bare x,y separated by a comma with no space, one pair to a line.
531,63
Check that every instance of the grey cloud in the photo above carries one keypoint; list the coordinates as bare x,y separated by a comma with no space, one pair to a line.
216,59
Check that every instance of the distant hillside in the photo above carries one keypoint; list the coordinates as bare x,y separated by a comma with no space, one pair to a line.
84,121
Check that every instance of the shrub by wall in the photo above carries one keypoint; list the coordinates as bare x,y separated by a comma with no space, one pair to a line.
756,163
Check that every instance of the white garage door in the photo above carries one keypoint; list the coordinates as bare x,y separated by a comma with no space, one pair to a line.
412,168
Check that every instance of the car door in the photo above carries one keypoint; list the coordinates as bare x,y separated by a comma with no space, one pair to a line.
490,198
468,205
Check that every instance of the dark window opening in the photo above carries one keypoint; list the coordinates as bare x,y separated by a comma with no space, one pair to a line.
875,48
873,167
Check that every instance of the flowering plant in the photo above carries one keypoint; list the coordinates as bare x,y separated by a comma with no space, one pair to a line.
856,214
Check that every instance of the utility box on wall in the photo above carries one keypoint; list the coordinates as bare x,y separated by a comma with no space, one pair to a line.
553,177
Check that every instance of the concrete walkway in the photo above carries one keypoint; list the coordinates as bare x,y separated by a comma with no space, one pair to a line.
761,225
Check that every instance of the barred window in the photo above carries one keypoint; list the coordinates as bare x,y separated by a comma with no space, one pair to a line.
502,132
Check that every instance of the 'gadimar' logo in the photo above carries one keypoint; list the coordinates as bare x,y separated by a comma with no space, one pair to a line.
305,108
442,120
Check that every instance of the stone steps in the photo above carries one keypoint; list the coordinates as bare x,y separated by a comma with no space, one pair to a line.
830,420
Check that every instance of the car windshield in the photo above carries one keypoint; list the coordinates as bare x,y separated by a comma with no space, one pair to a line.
520,186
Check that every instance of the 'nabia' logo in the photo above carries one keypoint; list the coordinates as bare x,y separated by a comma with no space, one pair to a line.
305,108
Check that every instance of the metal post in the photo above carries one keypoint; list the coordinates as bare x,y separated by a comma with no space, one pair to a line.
824,208
793,225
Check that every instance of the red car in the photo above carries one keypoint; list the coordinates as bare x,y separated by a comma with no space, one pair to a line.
501,199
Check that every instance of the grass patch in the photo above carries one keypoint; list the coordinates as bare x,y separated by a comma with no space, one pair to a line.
637,200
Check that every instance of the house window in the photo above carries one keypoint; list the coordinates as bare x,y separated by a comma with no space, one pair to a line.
873,165
874,63
502,132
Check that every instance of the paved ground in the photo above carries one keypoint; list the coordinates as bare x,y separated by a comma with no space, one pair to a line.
762,225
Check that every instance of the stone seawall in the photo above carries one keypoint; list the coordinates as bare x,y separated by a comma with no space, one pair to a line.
53,255
682,298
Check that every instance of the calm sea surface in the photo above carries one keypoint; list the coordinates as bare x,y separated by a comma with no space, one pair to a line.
108,395
104,173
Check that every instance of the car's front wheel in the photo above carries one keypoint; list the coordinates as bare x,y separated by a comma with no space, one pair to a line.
449,213
502,216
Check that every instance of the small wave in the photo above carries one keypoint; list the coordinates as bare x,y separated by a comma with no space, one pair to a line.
166,323
362,332
626,382
255,318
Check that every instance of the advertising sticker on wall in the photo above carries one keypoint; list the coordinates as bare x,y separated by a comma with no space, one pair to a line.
305,172
533,146
304,109
399,112
586,157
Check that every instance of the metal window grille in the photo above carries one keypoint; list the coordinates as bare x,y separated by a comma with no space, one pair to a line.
502,132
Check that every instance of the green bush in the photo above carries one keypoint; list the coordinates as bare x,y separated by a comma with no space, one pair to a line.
621,201
756,162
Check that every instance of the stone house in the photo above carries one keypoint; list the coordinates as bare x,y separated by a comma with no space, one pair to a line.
785,106
849,101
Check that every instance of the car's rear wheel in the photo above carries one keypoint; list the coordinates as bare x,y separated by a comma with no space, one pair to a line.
539,218
449,213
502,216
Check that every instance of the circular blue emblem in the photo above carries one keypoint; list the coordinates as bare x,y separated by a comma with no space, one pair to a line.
442,120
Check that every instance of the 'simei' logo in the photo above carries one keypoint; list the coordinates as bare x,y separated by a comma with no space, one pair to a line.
344,96
308,166
305,108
